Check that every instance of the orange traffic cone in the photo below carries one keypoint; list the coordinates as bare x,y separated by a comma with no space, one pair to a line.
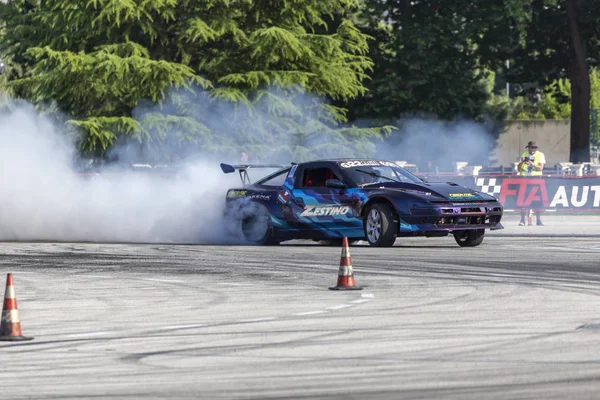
345,275
10,327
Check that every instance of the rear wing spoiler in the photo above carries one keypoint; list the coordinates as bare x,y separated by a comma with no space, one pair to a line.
243,170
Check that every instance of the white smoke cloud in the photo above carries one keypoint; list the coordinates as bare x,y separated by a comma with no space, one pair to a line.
42,197
432,143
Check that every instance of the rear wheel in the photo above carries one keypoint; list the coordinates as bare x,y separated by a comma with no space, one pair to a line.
257,227
469,238
381,225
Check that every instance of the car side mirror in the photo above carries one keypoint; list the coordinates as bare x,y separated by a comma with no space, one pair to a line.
334,184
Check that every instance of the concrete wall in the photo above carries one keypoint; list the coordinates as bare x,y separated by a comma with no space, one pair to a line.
552,137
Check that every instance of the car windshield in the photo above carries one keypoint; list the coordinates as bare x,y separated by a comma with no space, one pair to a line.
374,174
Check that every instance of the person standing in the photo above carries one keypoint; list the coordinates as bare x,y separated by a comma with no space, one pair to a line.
531,163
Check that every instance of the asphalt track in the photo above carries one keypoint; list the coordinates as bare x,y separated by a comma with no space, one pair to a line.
514,318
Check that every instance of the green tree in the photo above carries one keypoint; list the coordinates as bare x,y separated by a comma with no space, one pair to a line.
595,88
554,102
98,61
549,40
430,55
425,61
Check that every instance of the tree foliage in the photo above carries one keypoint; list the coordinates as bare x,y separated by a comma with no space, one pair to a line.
555,103
425,61
219,75
432,56
549,41
195,74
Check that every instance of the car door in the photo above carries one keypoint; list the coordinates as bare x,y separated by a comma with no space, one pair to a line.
316,207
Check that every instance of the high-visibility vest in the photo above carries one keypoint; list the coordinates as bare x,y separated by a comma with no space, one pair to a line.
536,161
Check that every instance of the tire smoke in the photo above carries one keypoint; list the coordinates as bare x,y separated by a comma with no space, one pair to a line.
43,197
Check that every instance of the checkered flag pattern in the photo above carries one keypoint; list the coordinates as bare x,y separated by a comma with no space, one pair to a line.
488,185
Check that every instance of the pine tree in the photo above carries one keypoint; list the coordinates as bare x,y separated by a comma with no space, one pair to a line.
216,75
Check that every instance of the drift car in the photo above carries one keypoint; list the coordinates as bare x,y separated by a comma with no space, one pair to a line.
373,200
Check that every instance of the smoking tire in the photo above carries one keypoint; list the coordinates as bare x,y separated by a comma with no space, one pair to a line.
380,224
469,238
257,227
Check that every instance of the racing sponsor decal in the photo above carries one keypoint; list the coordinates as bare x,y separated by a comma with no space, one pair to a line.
292,171
417,192
367,163
263,197
289,179
236,193
455,196
316,211
284,197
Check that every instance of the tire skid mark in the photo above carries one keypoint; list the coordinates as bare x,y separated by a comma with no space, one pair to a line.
475,350
228,349
109,304
89,334
260,319
488,272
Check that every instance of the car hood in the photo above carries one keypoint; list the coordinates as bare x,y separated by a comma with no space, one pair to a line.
433,191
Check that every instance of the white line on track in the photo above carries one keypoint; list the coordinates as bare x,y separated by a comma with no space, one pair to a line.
234,284
89,334
365,297
339,307
310,313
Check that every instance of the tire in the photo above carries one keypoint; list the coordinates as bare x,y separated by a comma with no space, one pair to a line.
469,238
380,224
257,228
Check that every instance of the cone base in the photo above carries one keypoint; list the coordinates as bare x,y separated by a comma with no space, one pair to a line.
14,338
345,288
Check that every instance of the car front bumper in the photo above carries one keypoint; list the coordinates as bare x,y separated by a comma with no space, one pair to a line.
448,217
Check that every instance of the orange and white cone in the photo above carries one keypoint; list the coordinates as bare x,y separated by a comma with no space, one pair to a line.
10,326
345,275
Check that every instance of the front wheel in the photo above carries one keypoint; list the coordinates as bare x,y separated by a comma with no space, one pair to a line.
469,238
381,225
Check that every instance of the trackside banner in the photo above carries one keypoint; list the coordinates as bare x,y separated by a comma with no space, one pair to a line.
548,192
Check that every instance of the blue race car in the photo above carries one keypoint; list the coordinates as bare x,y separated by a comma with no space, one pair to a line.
373,200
